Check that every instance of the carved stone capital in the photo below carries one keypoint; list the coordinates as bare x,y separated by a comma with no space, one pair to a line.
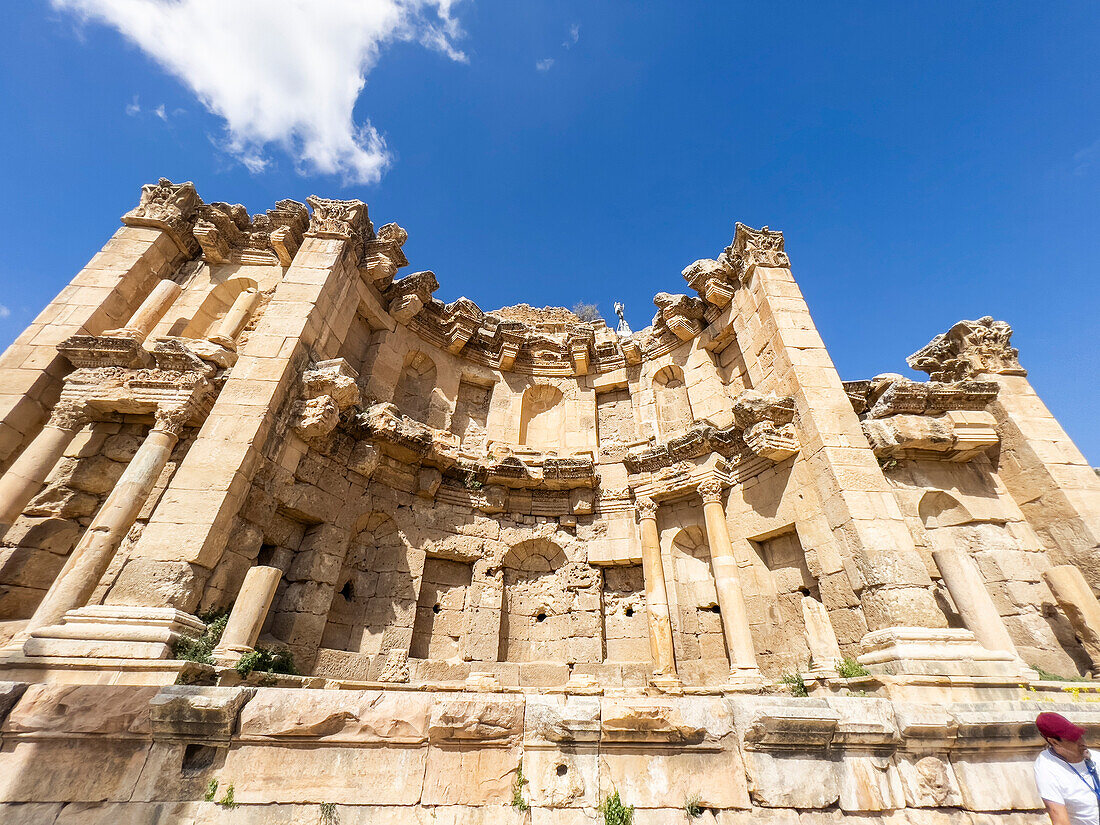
967,349
410,295
172,420
646,507
775,443
751,248
342,220
170,207
680,313
712,280
70,416
711,491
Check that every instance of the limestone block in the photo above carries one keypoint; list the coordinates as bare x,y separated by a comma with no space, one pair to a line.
121,710
581,501
206,714
792,780
648,720
463,776
334,378
370,716
869,783
466,717
1080,605
264,773
9,695
315,417
928,781
428,481
565,778
61,770
561,718
1001,781
364,459
650,778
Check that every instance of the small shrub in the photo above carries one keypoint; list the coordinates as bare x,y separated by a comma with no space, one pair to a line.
615,812
267,660
227,800
849,668
795,684
199,649
693,806
329,816
211,790
587,312
1047,676
518,802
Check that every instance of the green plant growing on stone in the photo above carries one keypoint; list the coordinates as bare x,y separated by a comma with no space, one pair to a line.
795,684
518,802
267,660
587,312
211,790
849,668
227,800
199,649
1047,676
693,806
615,812
329,816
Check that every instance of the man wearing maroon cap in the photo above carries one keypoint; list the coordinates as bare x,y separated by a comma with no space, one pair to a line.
1065,773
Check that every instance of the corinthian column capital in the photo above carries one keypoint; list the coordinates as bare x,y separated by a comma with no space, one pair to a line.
69,416
646,507
710,490
172,420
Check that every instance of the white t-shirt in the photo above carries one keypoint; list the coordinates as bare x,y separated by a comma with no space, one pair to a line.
1058,783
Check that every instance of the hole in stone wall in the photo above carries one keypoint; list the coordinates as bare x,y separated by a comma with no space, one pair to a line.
805,591
629,611
436,608
562,770
715,608
266,555
197,758
347,591
541,617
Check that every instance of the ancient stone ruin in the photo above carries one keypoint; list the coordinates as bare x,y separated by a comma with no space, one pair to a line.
497,567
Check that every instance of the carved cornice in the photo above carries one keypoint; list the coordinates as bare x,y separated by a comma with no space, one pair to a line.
930,398
680,314
340,220
327,388
751,248
407,296
226,232
383,256
968,349
714,281
170,207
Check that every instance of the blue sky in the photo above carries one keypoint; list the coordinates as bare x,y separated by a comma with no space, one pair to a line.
927,162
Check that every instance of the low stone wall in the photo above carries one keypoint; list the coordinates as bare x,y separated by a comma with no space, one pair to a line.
121,754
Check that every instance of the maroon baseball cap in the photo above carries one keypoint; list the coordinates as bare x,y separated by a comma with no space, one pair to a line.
1057,726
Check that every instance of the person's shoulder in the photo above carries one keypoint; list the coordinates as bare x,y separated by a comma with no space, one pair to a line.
1046,762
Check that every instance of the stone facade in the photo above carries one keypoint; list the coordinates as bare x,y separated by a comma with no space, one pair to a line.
521,560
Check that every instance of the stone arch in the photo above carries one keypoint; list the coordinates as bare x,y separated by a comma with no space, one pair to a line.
534,616
372,609
213,308
940,509
416,386
698,627
542,418
673,406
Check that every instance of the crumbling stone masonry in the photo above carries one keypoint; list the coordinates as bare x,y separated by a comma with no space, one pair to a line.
515,539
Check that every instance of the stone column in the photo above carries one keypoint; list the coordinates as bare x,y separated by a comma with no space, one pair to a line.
656,597
93,553
152,309
820,636
249,613
1075,597
233,324
29,472
731,601
967,588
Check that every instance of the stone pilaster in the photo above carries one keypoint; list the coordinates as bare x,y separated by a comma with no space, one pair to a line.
656,596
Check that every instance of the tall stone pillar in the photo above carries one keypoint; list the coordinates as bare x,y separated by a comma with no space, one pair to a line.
29,472
233,324
967,588
1077,601
1054,485
656,596
93,553
731,601
249,613
152,309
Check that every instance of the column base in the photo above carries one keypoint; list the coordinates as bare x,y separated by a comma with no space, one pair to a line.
744,680
926,651
113,632
230,655
667,684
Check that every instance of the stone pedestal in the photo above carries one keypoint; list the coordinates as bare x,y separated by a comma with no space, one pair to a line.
101,632
1077,601
29,472
656,597
248,615
967,588
93,553
820,637
731,601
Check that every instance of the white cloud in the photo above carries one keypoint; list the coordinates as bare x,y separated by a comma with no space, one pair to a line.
544,64
4,311
282,72
1085,158
159,112
133,108
574,36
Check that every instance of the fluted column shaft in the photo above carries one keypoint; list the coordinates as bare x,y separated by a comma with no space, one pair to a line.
731,601
93,553
967,588
29,472
656,595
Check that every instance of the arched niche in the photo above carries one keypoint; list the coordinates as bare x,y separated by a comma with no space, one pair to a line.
212,309
542,418
415,386
535,610
671,394
940,509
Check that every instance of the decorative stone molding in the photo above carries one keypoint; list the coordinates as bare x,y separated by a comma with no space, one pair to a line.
383,256
395,666
89,351
328,387
407,296
751,248
580,345
752,407
172,420
70,416
461,319
646,507
929,398
969,348
681,314
710,491
768,441
340,220
169,207
142,391
511,336
285,225
314,418
225,232
712,280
